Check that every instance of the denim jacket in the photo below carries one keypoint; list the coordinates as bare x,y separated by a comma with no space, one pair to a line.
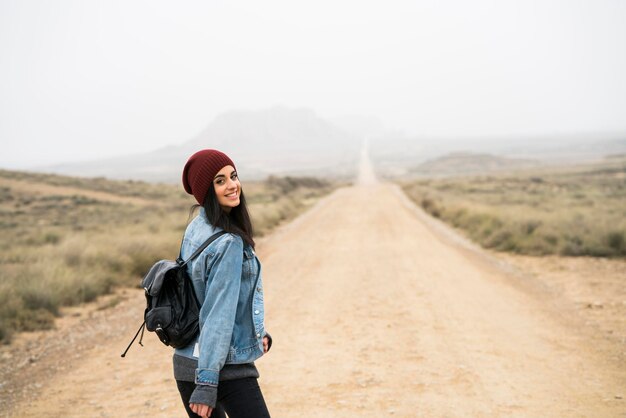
227,279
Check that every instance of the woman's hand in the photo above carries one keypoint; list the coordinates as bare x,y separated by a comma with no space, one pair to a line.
201,409
266,344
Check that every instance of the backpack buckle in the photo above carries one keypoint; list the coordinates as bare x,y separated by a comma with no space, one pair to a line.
162,335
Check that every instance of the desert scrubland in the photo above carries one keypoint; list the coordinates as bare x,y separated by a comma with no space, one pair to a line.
376,307
67,240
570,211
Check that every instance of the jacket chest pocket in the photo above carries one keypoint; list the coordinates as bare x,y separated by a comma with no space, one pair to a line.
250,264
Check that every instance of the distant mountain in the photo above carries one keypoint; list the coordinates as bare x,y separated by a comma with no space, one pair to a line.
400,154
282,140
469,163
278,140
575,148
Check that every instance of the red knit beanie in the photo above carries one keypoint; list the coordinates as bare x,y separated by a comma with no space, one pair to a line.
200,171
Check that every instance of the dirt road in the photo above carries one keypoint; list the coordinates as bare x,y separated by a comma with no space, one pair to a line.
375,311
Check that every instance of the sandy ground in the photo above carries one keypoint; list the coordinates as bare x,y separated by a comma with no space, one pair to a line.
375,310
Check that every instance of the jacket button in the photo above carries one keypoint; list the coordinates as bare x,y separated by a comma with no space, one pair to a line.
256,312
258,335
258,289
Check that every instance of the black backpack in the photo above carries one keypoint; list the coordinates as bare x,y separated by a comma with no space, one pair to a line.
172,310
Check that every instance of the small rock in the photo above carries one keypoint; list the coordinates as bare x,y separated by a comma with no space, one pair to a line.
391,411
618,396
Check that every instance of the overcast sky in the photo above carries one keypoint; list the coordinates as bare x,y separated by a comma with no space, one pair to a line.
83,79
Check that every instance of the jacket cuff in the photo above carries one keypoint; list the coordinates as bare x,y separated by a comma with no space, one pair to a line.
207,377
206,395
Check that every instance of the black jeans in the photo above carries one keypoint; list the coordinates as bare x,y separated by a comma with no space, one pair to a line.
239,398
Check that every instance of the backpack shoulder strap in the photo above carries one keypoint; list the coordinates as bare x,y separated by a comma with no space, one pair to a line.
200,248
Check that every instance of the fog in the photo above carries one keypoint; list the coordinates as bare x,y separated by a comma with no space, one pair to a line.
81,80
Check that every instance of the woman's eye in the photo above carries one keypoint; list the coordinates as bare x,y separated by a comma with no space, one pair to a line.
219,182
233,177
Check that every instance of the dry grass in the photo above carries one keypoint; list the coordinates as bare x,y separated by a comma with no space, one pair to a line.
577,211
65,240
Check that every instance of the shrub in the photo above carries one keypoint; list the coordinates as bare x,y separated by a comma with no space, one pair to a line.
528,227
501,240
430,206
51,238
289,184
537,245
38,298
573,246
551,239
85,288
6,332
33,320
615,241
562,212
5,194
482,225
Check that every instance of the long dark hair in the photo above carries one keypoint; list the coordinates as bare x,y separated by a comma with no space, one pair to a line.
237,221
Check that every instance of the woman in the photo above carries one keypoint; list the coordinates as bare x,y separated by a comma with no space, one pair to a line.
216,373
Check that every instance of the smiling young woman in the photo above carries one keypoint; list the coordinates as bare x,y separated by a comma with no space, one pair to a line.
215,374
227,188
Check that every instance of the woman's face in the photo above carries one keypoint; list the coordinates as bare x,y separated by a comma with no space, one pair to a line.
227,188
